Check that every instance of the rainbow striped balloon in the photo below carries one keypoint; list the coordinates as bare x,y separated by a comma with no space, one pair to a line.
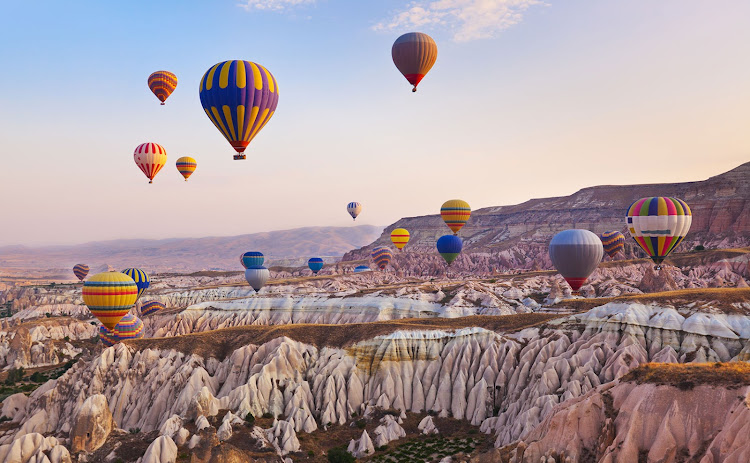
150,158
80,271
151,307
659,224
162,84
109,296
382,257
455,214
140,277
399,237
130,327
186,166
613,242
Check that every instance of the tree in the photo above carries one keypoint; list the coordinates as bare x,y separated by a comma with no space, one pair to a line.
339,455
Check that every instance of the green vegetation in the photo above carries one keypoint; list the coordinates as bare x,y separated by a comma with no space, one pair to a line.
14,375
340,455
699,248
267,415
361,424
250,419
134,430
431,449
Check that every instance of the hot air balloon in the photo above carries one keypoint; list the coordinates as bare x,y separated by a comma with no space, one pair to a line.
613,242
150,157
575,254
449,246
80,271
399,237
252,259
186,166
382,256
354,208
151,307
239,97
257,276
109,296
162,84
140,277
361,268
130,327
658,225
315,264
414,54
455,214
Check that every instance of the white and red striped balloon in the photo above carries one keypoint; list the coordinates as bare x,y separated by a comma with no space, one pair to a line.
150,157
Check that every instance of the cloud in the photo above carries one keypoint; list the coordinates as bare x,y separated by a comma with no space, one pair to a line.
273,5
468,19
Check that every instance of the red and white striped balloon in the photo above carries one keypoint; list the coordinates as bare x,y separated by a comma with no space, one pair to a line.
150,157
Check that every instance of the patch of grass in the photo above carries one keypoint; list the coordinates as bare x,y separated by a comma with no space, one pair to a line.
685,376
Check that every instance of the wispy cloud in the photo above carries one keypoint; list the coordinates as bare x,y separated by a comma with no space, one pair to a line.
273,5
468,19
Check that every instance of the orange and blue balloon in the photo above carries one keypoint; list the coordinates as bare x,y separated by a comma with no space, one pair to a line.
315,264
80,271
659,224
613,242
455,214
239,97
449,246
414,54
186,166
162,84
382,256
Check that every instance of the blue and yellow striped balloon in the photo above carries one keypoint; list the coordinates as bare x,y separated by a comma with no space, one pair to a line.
142,281
382,257
80,271
613,242
239,97
252,259
151,307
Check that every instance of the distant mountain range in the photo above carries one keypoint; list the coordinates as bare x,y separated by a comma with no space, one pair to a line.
284,247
516,237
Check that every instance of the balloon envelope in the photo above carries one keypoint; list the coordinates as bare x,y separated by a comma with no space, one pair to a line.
162,84
455,214
659,224
315,264
382,256
239,97
575,254
613,242
150,158
449,246
354,208
140,277
109,296
252,259
361,268
414,54
151,307
129,327
399,237
186,166
80,271
257,277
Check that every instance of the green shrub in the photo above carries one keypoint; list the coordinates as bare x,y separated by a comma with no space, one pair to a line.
15,375
340,455
268,415
134,430
310,453
66,338
361,424
249,418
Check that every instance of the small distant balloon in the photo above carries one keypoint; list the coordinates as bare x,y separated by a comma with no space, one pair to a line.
361,268
252,259
414,54
613,242
109,296
140,277
449,246
399,237
80,271
186,166
382,257
315,264
162,84
151,307
354,208
150,158
129,327
658,225
257,277
455,214
576,254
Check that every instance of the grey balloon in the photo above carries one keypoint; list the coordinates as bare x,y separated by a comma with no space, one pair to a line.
257,277
576,254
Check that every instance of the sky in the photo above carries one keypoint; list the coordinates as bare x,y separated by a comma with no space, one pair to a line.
527,99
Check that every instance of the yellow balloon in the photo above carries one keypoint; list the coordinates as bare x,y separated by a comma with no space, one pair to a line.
109,296
400,237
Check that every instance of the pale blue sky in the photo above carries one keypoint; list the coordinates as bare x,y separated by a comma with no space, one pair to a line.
541,99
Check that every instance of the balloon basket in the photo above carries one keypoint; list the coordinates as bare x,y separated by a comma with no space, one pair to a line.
239,157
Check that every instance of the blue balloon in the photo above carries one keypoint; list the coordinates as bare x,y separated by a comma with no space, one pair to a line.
361,268
252,259
450,246
315,264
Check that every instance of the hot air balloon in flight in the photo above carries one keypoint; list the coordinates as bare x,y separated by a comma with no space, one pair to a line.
315,264
382,256
186,166
162,84
129,327
252,259
399,237
613,242
455,214
414,54
140,277
354,208
658,225
449,246
257,276
576,254
361,268
80,271
239,97
150,158
109,296
151,307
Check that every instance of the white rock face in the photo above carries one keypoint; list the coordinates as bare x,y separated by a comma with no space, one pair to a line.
34,448
13,404
389,431
161,450
283,437
427,426
92,424
361,447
